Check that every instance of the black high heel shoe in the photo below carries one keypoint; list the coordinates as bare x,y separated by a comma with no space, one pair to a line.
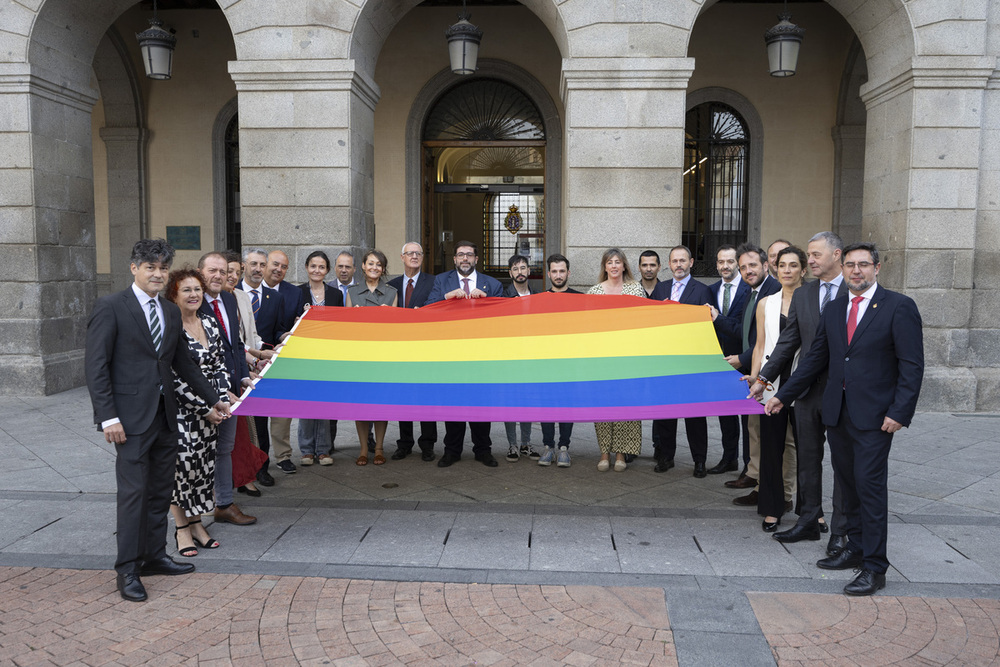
210,544
187,552
823,527
770,526
254,493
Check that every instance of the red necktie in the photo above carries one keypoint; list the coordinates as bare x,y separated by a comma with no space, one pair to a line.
409,293
852,318
465,284
218,316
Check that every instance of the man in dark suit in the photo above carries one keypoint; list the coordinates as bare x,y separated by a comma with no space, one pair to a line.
413,288
221,305
269,314
808,303
133,341
871,344
729,296
464,282
683,288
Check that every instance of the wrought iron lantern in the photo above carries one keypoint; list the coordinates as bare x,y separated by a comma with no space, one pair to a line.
783,42
157,46
463,44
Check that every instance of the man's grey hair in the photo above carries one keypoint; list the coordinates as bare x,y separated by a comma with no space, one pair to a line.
152,251
346,253
254,251
403,249
831,239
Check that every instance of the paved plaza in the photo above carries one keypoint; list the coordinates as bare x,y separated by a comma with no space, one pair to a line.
409,563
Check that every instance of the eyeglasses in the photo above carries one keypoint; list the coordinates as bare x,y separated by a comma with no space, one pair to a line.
861,265
464,255
413,253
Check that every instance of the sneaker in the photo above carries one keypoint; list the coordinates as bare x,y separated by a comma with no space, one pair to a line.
286,467
325,460
512,454
563,461
307,460
546,459
532,454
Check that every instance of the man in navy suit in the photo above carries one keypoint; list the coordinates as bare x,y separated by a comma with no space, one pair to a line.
269,314
221,305
729,296
413,288
871,344
464,282
683,288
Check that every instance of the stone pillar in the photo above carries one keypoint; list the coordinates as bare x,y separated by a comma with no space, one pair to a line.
126,148
624,157
306,156
920,205
46,232
848,180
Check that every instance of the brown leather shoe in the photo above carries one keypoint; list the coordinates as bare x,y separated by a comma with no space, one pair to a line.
741,482
232,514
743,501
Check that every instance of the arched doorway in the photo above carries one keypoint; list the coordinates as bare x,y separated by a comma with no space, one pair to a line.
483,153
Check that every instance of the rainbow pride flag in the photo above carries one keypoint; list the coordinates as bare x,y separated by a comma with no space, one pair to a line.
549,357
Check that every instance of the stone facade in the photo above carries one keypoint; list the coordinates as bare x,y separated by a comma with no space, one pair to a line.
913,148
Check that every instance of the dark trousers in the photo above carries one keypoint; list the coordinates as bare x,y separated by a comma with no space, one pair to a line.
697,435
549,434
454,437
745,427
428,436
263,438
144,470
811,436
730,425
861,469
771,482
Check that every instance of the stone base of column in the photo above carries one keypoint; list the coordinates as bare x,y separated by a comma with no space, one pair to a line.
30,375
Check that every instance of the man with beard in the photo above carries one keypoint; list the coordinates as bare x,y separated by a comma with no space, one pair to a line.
871,345
464,282
558,270
649,269
517,267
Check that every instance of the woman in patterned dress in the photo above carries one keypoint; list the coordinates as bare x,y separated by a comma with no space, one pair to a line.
619,437
194,479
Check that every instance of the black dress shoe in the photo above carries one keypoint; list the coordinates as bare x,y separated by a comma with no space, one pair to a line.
866,583
741,482
629,458
824,527
770,526
131,588
663,465
836,544
447,459
845,560
699,470
723,466
165,565
264,477
400,454
487,460
255,493
427,456
747,500
797,533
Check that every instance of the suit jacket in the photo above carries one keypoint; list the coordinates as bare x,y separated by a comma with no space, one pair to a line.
448,281
294,304
234,353
738,301
125,372
510,291
878,374
270,317
799,331
331,295
696,293
733,326
421,289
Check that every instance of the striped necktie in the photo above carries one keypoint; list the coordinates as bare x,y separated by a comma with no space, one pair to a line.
255,302
726,299
154,325
826,297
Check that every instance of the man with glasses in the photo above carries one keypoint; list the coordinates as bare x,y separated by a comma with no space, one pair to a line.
517,267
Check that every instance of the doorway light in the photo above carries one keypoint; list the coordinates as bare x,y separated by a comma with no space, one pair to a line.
783,42
157,46
463,44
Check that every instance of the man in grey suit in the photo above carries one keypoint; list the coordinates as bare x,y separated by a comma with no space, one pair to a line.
133,341
808,302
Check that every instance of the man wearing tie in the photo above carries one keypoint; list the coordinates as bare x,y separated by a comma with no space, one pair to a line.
871,344
343,268
134,346
464,282
414,286
682,289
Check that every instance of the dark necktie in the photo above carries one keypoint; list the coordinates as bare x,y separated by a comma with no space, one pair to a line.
154,325
826,297
465,284
726,296
747,316
218,316
409,293
255,302
852,317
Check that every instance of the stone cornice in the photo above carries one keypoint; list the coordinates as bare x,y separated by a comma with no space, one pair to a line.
927,72
303,75
625,74
22,78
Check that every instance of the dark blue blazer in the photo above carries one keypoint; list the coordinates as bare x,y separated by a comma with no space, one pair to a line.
448,281
294,303
733,324
233,351
730,344
696,293
331,295
421,290
270,317
878,374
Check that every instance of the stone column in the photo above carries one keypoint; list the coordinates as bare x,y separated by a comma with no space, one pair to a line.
920,205
306,156
624,157
848,180
126,148
46,232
